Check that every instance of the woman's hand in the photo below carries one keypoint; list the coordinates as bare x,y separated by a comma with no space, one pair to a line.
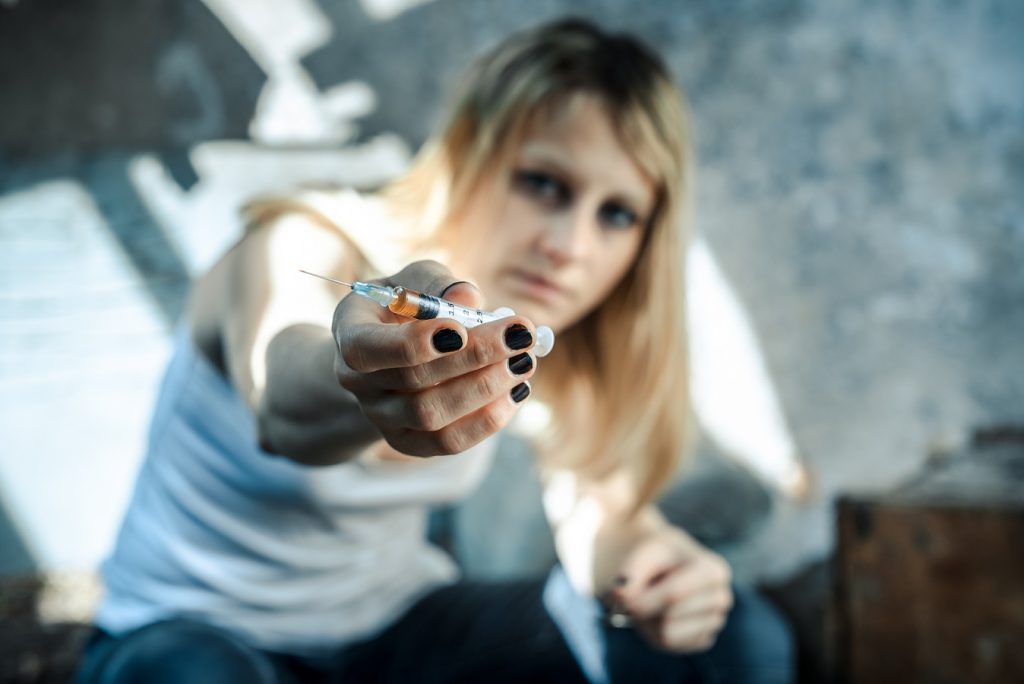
677,592
432,387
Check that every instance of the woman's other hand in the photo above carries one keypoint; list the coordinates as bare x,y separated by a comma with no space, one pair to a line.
677,592
432,387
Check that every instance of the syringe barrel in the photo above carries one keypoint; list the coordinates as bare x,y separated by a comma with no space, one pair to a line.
418,305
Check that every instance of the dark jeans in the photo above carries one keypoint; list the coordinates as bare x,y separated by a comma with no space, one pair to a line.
469,632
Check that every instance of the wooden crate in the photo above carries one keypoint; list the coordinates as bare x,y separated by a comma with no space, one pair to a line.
930,577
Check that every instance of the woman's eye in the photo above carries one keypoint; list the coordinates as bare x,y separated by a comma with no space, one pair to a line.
617,216
542,185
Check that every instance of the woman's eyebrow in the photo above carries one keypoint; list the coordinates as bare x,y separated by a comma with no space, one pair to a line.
546,158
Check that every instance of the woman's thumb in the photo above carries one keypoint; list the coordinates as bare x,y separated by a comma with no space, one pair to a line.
465,293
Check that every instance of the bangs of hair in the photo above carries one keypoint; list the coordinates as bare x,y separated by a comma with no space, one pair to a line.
537,72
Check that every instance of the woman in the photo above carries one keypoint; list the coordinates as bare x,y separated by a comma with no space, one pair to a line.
276,531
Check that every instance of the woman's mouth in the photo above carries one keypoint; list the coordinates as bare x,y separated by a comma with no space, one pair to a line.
537,287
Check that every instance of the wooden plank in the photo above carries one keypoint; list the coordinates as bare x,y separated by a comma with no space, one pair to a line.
930,584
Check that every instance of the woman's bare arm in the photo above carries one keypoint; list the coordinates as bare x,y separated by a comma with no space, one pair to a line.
328,379
278,350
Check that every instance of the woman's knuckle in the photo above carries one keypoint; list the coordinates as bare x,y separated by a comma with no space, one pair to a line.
491,385
492,418
424,413
423,377
352,355
408,352
479,354
346,379
447,442
411,377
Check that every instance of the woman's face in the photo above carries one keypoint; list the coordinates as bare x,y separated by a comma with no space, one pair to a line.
551,236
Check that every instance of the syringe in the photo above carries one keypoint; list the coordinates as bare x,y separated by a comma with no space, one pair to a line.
412,304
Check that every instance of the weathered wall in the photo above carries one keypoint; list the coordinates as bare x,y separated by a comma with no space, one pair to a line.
102,74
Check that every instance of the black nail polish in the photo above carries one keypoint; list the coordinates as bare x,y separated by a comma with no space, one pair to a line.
520,392
518,337
447,340
520,363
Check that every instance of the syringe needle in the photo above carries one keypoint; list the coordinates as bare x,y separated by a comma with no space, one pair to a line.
339,282
382,294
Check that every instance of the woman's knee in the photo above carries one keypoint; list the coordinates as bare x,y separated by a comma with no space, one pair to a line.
178,651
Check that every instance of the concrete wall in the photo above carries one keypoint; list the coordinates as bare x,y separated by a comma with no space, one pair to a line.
860,171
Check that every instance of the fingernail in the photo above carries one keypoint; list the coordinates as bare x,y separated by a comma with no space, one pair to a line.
520,363
447,340
520,392
518,336
457,282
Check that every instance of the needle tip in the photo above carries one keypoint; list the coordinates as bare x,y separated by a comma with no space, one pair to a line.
332,280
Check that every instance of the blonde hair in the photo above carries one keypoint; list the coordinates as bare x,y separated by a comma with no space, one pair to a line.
617,381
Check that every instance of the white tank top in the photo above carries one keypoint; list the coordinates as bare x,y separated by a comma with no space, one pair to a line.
295,559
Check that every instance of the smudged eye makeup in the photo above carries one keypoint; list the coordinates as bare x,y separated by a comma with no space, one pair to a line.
542,185
554,192
617,216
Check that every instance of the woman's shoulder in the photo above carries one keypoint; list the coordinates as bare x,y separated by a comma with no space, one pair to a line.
324,232
361,219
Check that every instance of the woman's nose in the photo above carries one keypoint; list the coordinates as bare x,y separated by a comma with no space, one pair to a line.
567,237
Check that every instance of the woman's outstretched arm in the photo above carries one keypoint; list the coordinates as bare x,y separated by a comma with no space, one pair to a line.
327,379
275,338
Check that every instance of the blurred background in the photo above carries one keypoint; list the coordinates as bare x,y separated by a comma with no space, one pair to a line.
858,277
